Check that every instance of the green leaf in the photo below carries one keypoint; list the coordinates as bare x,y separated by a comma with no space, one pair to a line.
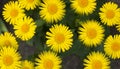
3,28
39,22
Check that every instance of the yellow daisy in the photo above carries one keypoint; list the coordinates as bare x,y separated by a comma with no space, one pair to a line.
52,10
9,58
83,6
7,39
96,60
27,65
91,33
48,60
29,4
112,46
59,38
25,28
110,13
12,11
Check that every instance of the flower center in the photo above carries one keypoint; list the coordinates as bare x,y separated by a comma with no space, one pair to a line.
91,33
110,14
25,28
8,60
25,68
30,1
59,38
83,3
7,43
48,64
14,13
115,46
97,65
52,9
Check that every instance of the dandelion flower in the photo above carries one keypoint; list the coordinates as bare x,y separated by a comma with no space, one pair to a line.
9,58
110,13
25,28
112,46
52,10
12,11
29,4
48,60
91,33
83,6
96,60
59,38
27,65
7,39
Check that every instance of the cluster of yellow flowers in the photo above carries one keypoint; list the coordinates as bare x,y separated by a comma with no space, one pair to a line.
59,37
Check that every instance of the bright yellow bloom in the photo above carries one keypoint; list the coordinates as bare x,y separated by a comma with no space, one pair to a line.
29,4
83,6
59,38
7,39
48,60
96,60
110,13
27,65
112,46
25,28
52,10
9,58
91,33
12,11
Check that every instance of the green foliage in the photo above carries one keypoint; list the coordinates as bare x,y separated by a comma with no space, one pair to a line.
3,28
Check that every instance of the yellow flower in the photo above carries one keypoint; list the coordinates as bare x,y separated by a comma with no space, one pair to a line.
112,46
25,28
110,13
52,10
83,6
96,60
29,4
27,65
12,11
48,60
9,58
59,38
91,33
7,39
